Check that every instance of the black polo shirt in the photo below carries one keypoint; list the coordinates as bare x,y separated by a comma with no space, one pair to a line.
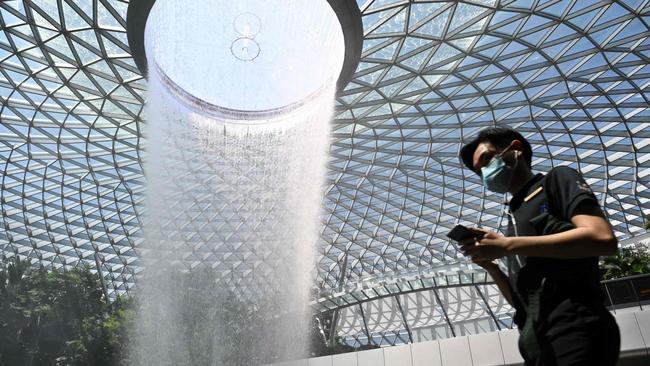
545,206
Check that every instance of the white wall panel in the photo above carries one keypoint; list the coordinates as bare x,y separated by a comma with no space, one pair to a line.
292,363
643,319
398,356
486,349
631,339
426,354
509,347
373,357
455,352
321,361
345,359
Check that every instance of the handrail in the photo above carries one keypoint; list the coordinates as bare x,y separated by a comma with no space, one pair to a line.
627,290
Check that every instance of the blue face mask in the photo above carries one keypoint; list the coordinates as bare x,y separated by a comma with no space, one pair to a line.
497,175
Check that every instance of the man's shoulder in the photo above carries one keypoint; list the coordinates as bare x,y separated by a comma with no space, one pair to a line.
561,174
563,171
569,178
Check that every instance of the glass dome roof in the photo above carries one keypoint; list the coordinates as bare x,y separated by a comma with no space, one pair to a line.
572,76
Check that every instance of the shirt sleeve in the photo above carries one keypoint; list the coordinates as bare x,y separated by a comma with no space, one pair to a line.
565,190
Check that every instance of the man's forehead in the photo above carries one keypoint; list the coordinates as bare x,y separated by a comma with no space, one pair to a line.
482,148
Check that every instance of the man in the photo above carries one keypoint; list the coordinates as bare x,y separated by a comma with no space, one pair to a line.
557,233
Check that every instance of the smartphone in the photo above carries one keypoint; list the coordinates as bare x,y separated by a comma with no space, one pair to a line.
460,233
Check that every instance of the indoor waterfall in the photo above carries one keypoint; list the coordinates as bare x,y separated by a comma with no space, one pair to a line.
233,200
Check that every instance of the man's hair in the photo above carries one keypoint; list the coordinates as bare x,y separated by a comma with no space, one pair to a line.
499,137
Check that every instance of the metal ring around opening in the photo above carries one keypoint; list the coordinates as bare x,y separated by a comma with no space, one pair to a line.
347,11
227,114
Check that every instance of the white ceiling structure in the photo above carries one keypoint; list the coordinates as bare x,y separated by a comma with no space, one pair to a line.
572,76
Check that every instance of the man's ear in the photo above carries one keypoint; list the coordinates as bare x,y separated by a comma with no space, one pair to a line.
517,145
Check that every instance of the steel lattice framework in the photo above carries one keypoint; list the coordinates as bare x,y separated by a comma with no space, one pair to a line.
572,76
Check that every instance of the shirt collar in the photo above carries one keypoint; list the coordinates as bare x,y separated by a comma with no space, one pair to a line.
518,197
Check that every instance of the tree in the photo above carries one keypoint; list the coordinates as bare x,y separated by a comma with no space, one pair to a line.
627,262
58,317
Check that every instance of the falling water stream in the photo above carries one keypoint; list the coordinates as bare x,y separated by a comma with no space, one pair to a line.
233,200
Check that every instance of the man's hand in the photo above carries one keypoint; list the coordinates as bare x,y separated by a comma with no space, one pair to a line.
490,247
468,243
483,250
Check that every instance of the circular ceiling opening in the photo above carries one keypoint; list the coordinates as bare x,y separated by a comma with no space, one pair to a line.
249,55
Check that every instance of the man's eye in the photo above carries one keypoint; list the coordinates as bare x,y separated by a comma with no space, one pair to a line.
487,159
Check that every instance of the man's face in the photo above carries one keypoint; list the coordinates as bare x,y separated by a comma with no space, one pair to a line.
484,152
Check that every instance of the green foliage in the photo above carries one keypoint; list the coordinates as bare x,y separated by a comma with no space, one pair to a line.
58,317
647,222
627,262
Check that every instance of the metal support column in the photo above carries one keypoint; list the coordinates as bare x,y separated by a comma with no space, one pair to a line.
609,297
365,324
487,307
101,276
444,312
406,324
335,313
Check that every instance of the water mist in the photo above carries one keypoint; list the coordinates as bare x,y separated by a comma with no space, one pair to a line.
236,152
